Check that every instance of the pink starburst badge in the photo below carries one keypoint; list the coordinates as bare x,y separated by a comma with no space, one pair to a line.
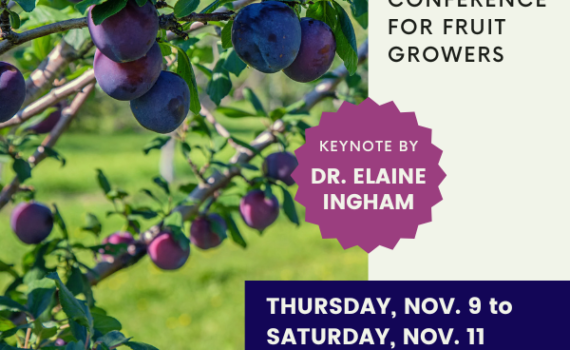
368,175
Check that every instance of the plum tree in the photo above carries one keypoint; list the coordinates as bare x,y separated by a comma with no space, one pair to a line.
54,281
267,36
32,222
12,91
127,35
317,52
203,234
280,166
165,106
130,80
258,211
166,253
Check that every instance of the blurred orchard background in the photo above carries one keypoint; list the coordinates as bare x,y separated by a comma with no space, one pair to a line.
200,306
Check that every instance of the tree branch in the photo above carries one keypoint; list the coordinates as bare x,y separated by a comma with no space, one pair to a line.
42,78
50,99
20,38
200,24
220,180
66,117
166,22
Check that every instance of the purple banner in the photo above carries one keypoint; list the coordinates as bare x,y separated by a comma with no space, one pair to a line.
394,315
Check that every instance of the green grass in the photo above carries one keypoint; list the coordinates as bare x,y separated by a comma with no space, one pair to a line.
202,305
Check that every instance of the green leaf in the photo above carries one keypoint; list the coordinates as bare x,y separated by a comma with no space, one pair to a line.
248,166
107,9
23,169
117,194
175,224
227,35
40,299
13,331
156,143
9,304
4,267
151,195
75,346
185,7
233,63
234,112
200,126
76,38
85,4
144,212
73,308
162,183
185,148
139,346
235,234
106,324
187,188
15,20
207,72
359,7
246,145
26,5
218,229
220,85
255,102
103,182
51,153
348,50
113,339
92,224
289,207
363,20
359,10
141,3
165,49
268,191
75,281
58,219
77,330
213,6
174,219
186,71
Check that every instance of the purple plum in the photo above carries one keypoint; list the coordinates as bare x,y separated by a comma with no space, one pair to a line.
12,91
166,253
165,106
47,124
127,35
116,238
280,166
258,211
318,48
130,80
267,36
202,234
32,222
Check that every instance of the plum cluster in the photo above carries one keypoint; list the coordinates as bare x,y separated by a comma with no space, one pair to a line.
269,37
33,222
208,231
128,67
